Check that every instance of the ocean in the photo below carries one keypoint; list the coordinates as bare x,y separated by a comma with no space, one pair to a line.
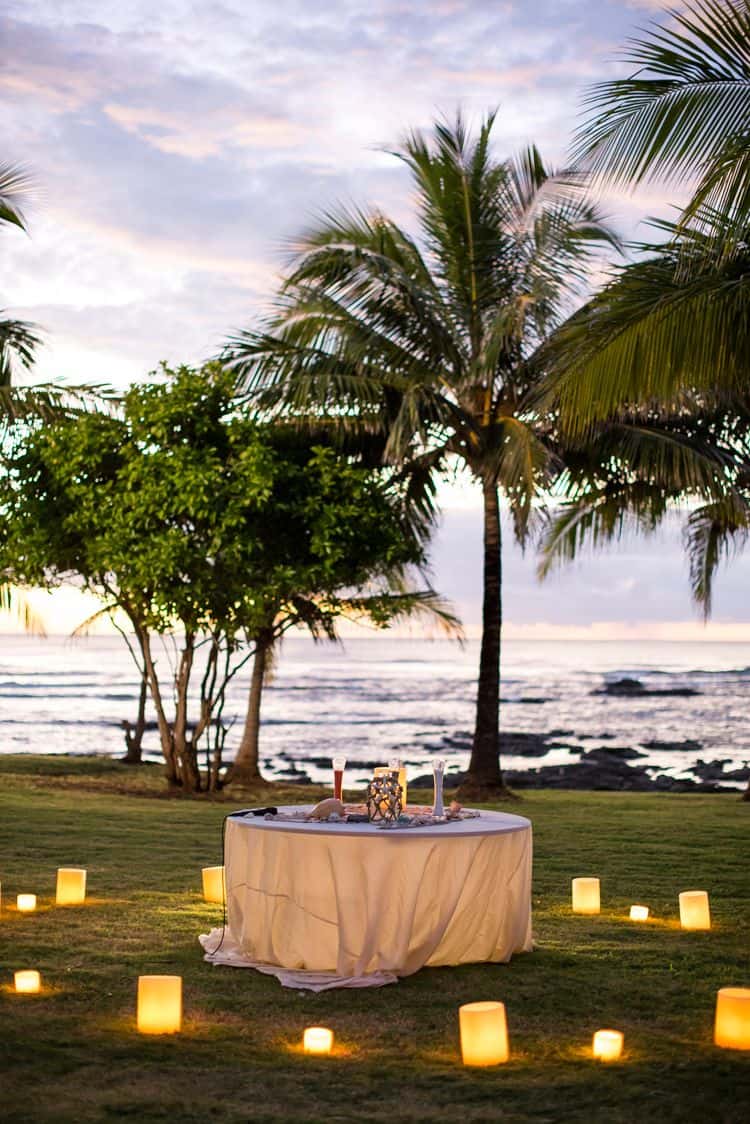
373,698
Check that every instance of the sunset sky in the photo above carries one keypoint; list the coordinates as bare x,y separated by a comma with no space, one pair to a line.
178,146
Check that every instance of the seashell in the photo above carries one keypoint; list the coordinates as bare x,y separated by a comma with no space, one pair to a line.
326,808
455,808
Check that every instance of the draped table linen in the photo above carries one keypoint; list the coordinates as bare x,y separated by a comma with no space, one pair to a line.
352,905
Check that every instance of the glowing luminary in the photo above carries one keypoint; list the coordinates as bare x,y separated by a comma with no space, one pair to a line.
71,885
26,902
732,1023
639,913
214,884
694,911
484,1033
159,1004
317,1040
586,895
28,981
607,1045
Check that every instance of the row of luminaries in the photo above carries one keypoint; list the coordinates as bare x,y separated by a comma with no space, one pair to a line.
483,1026
695,912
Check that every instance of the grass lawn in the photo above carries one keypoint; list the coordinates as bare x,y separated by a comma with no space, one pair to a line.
72,1053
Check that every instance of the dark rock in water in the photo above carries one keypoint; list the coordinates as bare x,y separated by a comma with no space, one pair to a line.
457,741
605,753
741,774
633,688
597,776
714,770
562,734
688,746
426,780
523,745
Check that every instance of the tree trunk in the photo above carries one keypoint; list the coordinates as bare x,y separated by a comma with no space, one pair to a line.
184,742
166,736
484,778
134,734
245,769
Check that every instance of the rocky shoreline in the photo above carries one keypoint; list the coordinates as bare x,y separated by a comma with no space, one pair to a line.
605,768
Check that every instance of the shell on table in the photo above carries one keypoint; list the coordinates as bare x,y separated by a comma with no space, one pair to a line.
327,808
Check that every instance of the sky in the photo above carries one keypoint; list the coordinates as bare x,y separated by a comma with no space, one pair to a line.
178,147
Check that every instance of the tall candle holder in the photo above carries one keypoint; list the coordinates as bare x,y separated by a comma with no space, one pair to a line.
438,771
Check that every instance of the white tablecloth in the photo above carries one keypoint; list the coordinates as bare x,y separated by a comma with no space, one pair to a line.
353,905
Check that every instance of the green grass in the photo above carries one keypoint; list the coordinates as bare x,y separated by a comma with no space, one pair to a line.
72,1053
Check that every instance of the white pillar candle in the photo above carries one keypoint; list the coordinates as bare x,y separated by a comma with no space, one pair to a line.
585,893
694,910
484,1033
26,902
71,885
159,1004
732,1022
639,913
27,981
607,1045
317,1040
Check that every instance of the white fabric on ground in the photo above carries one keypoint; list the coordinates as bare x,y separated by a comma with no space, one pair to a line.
324,905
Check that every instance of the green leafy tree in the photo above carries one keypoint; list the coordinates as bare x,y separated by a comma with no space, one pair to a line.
432,343
206,528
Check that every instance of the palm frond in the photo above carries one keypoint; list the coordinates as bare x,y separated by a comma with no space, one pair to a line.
16,604
16,185
712,533
50,401
686,97
675,320
18,343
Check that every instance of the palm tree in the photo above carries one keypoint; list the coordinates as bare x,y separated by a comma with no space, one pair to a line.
676,323
682,317
433,343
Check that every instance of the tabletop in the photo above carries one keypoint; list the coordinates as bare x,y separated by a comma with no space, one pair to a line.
487,823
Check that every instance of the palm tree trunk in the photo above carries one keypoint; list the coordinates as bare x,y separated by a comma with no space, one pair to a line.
484,767
245,769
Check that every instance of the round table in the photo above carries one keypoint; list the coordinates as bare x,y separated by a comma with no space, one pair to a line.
349,904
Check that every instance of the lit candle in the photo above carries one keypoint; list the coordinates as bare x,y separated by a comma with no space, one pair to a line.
26,902
396,764
585,895
317,1040
387,771
27,981
732,1024
214,884
694,911
639,913
159,1004
607,1045
71,886
484,1033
